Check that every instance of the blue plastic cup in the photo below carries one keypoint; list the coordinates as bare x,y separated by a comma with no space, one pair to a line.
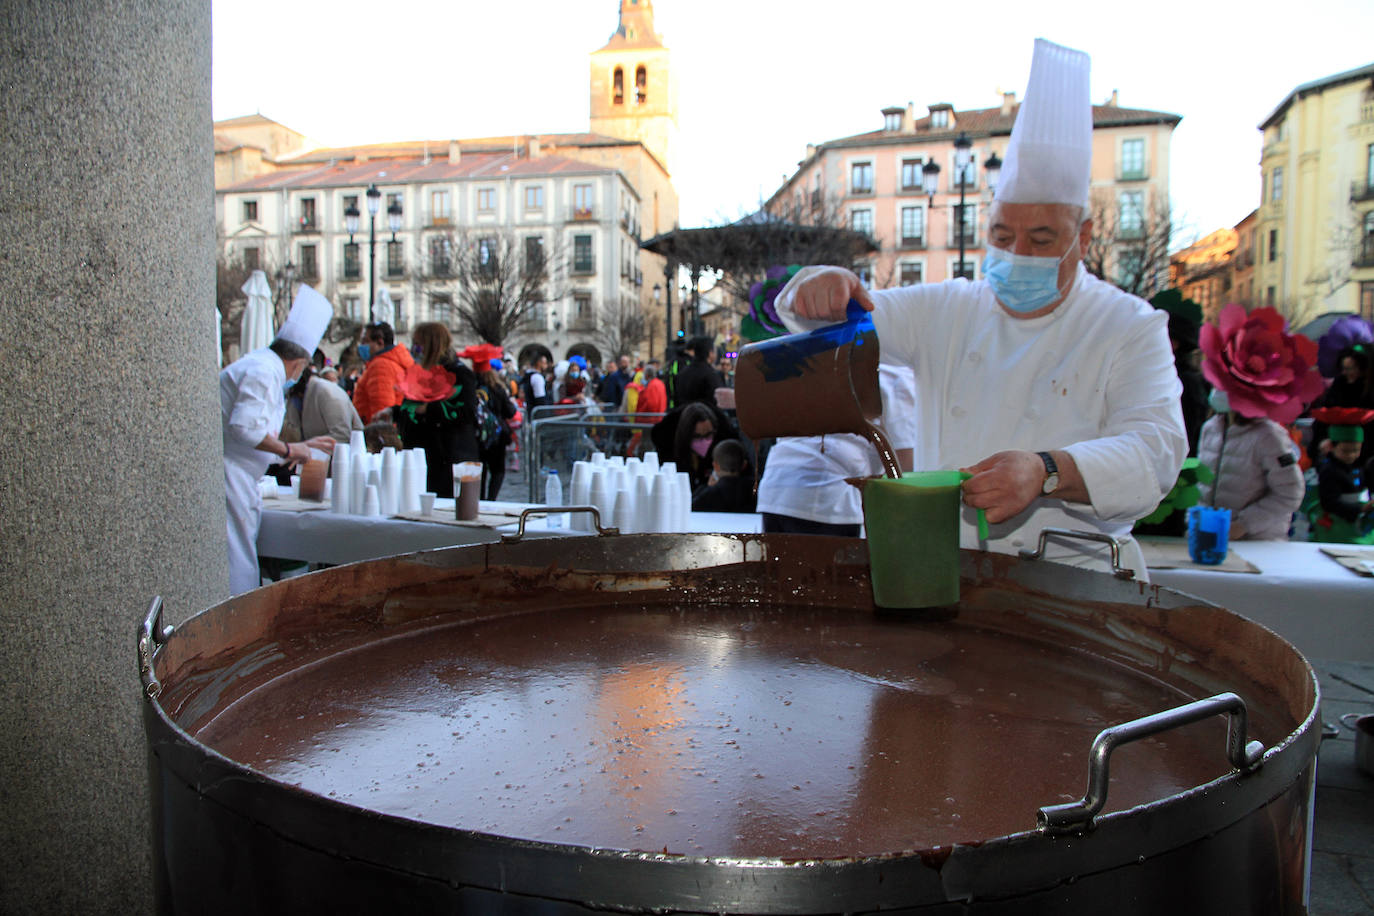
1209,534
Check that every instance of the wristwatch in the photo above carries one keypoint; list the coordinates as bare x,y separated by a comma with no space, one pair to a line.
1051,473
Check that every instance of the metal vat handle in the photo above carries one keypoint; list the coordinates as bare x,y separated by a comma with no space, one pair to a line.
151,635
1118,570
1078,816
557,510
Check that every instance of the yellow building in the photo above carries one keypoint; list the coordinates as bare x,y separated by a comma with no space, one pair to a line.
1203,270
1315,228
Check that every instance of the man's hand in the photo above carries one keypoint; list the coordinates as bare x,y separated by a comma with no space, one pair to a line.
1004,484
322,443
824,294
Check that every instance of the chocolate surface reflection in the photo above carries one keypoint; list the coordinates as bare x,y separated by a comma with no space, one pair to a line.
793,732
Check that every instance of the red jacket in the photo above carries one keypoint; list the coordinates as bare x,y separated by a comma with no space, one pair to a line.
376,389
654,398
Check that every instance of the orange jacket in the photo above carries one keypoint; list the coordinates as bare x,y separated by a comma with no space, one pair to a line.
376,389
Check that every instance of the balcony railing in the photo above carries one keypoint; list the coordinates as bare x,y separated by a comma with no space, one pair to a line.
1136,174
441,268
395,270
914,242
352,272
582,213
1361,191
440,220
970,238
582,267
307,224
861,190
582,325
1364,255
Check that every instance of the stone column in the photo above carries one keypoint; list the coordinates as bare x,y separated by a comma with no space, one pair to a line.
111,488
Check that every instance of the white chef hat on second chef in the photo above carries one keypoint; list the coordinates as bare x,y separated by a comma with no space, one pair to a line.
310,316
1050,153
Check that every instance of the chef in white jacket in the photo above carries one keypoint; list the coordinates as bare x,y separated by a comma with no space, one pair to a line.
1055,389
252,401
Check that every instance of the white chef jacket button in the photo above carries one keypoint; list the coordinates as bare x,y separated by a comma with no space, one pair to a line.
975,357
956,411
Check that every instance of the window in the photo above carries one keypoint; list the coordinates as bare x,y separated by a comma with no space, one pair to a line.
970,226
911,273
486,257
352,267
1269,297
939,118
393,199
861,178
861,221
441,308
486,200
582,201
641,85
1368,167
865,274
956,269
395,259
1273,244
307,213
1129,265
581,316
252,258
913,227
1367,300
440,208
1276,185
534,255
440,256
892,120
618,87
582,255
250,210
534,197
399,305
350,200
1133,158
353,308
310,266
911,175
1130,223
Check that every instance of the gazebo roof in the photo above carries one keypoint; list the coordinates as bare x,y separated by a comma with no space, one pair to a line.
760,241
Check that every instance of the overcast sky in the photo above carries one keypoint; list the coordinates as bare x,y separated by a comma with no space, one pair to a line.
756,85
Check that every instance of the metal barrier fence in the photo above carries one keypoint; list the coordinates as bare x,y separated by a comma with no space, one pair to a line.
557,435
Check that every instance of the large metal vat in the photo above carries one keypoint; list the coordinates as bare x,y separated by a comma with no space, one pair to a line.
229,838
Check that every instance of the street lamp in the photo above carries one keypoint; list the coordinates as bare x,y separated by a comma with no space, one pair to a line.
658,295
962,158
351,216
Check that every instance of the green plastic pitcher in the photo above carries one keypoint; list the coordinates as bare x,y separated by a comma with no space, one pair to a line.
913,538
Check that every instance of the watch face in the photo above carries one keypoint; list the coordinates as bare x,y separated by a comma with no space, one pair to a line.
1051,484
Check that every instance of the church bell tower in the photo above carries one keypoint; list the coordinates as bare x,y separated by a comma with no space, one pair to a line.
634,90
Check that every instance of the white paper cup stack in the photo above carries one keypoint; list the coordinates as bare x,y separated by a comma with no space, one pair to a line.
339,493
644,507
357,483
650,462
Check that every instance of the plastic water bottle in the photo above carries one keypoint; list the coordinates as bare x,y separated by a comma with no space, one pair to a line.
553,496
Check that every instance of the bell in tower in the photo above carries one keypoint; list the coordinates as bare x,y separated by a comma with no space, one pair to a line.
633,88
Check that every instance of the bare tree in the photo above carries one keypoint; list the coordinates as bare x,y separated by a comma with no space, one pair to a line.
1130,243
621,325
495,280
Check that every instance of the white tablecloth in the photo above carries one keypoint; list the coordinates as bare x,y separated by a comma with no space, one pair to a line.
320,536
1322,608
1325,610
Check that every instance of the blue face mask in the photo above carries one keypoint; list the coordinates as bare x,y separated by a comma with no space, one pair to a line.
1023,283
365,352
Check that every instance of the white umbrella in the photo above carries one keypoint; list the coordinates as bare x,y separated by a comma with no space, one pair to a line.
383,309
219,337
256,330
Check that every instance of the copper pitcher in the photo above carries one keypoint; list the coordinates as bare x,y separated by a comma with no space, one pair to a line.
813,383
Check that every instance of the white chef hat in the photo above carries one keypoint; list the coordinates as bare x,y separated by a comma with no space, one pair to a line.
310,315
1050,153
